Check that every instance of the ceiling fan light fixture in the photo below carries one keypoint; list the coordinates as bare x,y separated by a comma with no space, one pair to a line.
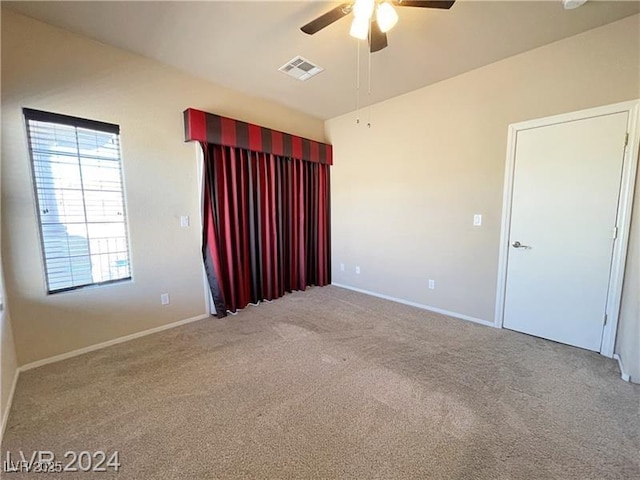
365,25
363,9
572,4
359,28
386,16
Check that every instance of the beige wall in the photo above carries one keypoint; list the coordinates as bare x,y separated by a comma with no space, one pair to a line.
50,69
8,359
8,366
404,191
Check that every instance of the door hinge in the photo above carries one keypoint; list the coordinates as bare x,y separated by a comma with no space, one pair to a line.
605,319
615,232
626,139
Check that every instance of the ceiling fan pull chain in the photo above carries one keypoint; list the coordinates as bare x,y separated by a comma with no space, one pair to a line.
369,94
357,81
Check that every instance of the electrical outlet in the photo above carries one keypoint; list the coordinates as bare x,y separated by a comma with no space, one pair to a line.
164,299
358,270
342,267
432,284
477,220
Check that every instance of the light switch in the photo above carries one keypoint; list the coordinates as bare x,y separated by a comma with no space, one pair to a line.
477,220
184,221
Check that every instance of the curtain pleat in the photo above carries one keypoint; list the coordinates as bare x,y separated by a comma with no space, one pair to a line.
212,236
266,226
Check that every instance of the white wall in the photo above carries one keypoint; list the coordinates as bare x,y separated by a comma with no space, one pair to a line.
51,69
404,191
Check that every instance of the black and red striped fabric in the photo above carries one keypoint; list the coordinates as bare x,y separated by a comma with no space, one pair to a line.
206,127
266,224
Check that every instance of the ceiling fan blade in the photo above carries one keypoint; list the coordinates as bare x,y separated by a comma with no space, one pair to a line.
377,38
445,4
327,19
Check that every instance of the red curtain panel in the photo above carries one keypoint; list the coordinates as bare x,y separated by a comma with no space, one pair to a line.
266,225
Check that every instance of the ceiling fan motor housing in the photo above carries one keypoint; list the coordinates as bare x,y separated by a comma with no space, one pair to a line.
376,25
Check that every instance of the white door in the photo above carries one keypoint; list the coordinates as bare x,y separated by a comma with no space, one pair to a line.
563,216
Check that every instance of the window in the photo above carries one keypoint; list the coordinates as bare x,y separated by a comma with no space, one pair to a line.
77,173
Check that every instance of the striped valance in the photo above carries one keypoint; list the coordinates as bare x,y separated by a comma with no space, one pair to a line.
218,130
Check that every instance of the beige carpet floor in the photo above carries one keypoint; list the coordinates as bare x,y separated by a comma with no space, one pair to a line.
331,384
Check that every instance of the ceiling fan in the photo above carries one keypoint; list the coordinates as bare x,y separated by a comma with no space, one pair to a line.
367,25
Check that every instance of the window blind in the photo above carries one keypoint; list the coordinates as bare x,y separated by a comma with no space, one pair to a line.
77,173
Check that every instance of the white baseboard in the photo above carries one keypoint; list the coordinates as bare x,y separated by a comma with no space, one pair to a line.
115,341
623,374
5,414
417,305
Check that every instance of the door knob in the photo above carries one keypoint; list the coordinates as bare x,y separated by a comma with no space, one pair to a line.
517,244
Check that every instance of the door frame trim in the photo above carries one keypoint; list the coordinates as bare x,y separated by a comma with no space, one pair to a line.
625,204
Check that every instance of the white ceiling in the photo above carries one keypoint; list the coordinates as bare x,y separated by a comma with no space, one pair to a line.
241,44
